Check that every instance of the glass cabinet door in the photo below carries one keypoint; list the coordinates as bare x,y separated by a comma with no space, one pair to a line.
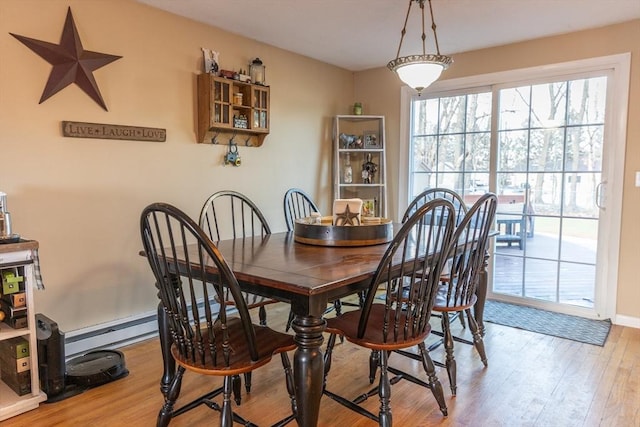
222,103
260,105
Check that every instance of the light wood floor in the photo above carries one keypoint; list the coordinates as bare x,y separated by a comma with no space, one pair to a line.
532,380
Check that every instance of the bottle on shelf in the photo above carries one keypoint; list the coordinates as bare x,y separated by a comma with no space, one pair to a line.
348,170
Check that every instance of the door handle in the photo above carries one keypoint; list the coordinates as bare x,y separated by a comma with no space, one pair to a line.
600,195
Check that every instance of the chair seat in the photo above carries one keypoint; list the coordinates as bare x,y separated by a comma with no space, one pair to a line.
440,304
268,341
347,325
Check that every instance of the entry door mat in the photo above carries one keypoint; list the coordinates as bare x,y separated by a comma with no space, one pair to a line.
574,328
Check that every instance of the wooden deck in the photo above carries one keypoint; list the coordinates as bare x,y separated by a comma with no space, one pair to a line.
532,272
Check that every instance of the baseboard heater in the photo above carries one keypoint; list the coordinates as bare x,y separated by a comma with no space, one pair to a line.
111,335
118,333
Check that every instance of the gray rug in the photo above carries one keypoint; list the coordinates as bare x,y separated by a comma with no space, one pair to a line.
546,322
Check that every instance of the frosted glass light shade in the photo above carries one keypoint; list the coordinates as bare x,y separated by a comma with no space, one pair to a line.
419,71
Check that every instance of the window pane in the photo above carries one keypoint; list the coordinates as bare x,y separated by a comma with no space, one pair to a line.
577,284
579,240
584,148
425,117
546,150
452,115
422,181
587,100
546,193
479,112
507,275
512,150
450,153
548,105
580,194
477,153
540,278
424,154
514,108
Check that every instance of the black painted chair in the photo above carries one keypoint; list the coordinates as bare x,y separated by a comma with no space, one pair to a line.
232,215
437,193
459,293
399,320
297,204
205,341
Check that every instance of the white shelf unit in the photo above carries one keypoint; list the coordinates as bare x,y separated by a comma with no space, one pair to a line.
13,256
371,132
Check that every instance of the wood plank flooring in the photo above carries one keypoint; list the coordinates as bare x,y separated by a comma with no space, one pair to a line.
531,380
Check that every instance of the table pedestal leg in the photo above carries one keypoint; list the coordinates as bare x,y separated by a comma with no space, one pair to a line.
308,368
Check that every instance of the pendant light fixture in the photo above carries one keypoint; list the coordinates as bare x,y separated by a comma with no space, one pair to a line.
419,71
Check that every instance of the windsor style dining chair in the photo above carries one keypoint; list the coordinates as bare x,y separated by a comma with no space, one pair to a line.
400,319
205,340
229,214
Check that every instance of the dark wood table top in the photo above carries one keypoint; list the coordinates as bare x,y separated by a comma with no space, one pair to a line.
285,267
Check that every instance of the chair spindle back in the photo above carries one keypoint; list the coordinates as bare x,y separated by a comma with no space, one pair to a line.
297,204
415,258
188,298
468,254
232,215
438,193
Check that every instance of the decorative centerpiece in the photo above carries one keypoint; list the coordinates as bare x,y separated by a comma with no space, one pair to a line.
346,227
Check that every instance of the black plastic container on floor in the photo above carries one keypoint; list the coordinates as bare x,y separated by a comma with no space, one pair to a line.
51,356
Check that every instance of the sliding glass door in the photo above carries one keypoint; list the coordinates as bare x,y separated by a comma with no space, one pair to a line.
548,180
542,148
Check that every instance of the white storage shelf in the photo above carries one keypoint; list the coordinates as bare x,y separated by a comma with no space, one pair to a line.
12,256
371,140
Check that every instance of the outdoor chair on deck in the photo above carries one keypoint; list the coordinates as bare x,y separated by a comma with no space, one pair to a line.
232,215
401,319
204,341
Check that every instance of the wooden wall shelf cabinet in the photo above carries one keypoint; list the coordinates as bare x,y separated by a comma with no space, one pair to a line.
350,176
230,109
18,257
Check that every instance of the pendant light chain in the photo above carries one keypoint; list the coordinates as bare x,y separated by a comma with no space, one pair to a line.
433,28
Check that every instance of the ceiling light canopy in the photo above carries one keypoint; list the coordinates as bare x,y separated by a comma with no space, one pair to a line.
419,71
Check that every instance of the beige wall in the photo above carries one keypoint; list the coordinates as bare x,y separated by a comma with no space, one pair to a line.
81,198
379,91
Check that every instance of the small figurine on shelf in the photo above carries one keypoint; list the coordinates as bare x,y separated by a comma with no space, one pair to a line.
350,141
369,170
211,58
348,171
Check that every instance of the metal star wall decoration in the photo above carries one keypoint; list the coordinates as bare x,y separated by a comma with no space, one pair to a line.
71,63
347,217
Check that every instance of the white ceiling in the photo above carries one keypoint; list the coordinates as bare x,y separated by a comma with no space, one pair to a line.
363,34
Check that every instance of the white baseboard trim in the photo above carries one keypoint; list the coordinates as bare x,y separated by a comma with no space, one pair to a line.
110,335
632,322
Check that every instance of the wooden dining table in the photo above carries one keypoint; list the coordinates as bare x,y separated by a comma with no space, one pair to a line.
307,277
